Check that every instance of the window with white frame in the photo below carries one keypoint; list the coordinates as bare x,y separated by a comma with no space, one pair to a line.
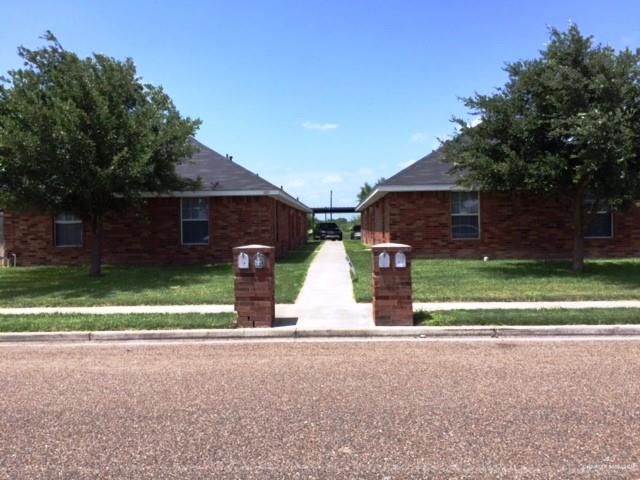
68,230
195,221
601,223
465,215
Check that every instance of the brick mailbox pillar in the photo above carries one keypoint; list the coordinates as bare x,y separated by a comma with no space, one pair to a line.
392,291
253,267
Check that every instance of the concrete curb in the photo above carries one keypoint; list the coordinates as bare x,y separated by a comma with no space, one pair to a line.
293,333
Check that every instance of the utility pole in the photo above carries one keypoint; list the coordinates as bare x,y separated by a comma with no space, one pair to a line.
330,204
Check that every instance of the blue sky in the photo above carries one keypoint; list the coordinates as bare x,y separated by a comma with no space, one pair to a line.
317,95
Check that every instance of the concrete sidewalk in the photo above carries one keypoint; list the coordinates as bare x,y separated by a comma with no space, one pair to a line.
349,307
120,309
326,299
581,304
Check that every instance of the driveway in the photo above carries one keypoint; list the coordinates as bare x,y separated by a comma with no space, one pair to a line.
491,409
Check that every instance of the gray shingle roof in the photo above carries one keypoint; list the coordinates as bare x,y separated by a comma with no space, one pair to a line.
429,170
428,173
219,173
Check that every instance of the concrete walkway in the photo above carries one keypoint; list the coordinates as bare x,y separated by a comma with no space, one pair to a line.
441,306
290,310
326,299
110,310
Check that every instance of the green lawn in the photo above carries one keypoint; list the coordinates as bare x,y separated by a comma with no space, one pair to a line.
360,256
507,280
66,323
291,272
144,285
592,316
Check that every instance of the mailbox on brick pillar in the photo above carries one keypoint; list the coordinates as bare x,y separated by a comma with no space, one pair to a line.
392,290
253,267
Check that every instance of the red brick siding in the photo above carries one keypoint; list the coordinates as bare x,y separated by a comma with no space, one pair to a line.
1,234
511,226
375,223
153,235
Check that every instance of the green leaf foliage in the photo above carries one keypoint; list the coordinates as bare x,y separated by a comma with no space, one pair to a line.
566,123
85,135
367,189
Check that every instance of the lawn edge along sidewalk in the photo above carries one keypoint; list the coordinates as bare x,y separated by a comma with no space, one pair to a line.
293,333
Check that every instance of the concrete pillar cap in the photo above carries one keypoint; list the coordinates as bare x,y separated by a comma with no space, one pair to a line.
253,247
399,246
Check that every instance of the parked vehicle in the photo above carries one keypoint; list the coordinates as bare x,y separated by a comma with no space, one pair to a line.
327,231
356,233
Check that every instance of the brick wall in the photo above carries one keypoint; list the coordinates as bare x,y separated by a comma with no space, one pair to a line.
375,223
1,234
511,226
153,235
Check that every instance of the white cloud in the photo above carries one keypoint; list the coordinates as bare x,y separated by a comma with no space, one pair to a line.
298,182
365,171
332,179
319,126
475,122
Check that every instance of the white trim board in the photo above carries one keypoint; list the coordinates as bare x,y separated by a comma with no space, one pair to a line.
381,191
275,193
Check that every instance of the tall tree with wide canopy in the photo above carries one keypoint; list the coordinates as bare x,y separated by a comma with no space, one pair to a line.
87,137
566,124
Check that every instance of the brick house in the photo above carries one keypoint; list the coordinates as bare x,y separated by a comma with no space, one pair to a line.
235,207
423,206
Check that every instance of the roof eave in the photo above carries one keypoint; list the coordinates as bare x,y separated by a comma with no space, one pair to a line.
382,190
274,193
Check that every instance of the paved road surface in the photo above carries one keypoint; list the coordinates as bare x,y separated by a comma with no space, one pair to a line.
492,409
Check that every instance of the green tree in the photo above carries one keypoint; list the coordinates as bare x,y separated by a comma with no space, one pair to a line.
86,136
366,189
566,124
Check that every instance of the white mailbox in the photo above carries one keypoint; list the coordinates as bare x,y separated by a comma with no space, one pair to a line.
243,260
259,261
401,260
383,260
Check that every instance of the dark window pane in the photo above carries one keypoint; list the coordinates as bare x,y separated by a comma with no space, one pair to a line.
195,232
464,202
68,234
195,208
465,226
600,226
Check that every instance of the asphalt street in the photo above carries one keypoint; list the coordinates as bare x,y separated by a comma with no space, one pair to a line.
422,409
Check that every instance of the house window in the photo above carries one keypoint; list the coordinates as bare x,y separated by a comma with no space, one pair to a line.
601,225
465,215
68,230
195,221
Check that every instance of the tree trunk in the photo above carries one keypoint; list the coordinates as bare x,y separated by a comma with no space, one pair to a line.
95,269
578,232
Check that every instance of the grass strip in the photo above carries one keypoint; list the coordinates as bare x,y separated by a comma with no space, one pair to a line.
58,322
291,272
360,256
513,317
